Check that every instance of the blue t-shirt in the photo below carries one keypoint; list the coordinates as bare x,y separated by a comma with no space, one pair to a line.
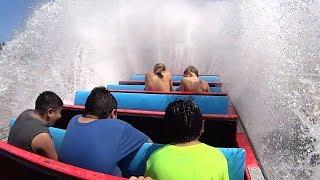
99,145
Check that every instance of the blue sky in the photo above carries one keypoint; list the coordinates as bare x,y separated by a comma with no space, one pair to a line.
13,14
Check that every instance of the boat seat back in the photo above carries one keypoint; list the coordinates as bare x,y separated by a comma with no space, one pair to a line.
234,156
208,78
141,87
209,104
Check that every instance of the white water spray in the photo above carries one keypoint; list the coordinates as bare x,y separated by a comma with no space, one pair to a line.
267,53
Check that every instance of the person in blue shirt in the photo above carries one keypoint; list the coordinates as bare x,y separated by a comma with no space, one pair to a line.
97,140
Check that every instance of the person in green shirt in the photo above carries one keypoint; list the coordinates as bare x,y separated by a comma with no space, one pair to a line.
186,158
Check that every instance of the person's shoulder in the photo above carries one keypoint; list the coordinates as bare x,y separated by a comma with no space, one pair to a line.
114,122
75,118
167,73
186,80
25,113
215,151
163,151
149,74
203,82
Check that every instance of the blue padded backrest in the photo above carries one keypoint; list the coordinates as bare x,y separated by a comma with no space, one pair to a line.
159,102
141,87
212,78
234,156
56,134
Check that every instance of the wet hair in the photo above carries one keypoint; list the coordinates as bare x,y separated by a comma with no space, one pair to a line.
192,69
46,100
158,69
100,103
184,121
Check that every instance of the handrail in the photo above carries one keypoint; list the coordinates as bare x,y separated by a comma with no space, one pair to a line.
160,114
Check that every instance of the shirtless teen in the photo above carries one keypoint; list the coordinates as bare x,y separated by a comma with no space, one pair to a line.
159,79
191,81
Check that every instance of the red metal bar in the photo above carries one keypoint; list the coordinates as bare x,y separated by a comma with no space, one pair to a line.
182,75
62,168
243,142
175,83
171,92
160,114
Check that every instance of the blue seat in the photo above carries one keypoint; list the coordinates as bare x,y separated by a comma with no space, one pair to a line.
208,78
56,134
234,156
141,87
158,102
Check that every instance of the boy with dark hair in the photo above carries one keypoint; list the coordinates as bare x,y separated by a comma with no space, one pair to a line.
186,158
30,131
159,79
97,140
191,81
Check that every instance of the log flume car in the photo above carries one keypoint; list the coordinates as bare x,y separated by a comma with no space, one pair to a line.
145,111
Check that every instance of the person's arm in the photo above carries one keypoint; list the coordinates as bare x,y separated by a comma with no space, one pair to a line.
42,144
204,86
181,87
131,140
146,82
170,80
225,175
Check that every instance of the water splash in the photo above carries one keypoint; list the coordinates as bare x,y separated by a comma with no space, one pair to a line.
267,53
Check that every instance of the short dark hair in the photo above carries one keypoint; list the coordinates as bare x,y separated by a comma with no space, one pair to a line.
100,103
184,120
46,100
192,69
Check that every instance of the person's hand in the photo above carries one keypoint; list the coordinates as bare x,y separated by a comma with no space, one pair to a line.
140,178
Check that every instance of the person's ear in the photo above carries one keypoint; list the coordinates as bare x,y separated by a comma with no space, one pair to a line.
113,114
49,114
202,128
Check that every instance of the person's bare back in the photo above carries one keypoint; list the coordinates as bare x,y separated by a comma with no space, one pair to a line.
191,81
159,79
194,84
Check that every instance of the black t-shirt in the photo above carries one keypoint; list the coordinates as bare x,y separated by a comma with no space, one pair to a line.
25,129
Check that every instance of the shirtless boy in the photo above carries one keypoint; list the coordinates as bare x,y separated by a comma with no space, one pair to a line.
159,79
191,81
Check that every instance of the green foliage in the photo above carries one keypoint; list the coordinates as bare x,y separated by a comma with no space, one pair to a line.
1,45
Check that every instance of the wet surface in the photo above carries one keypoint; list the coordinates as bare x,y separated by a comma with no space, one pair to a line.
266,52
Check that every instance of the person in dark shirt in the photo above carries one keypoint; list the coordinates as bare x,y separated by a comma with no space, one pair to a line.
30,131
97,140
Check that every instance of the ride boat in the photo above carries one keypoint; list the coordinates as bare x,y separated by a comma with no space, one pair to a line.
145,111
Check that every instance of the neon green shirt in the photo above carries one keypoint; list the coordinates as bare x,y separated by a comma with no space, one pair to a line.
194,162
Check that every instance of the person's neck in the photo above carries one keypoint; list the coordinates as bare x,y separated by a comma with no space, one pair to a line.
36,115
194,142
88,118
